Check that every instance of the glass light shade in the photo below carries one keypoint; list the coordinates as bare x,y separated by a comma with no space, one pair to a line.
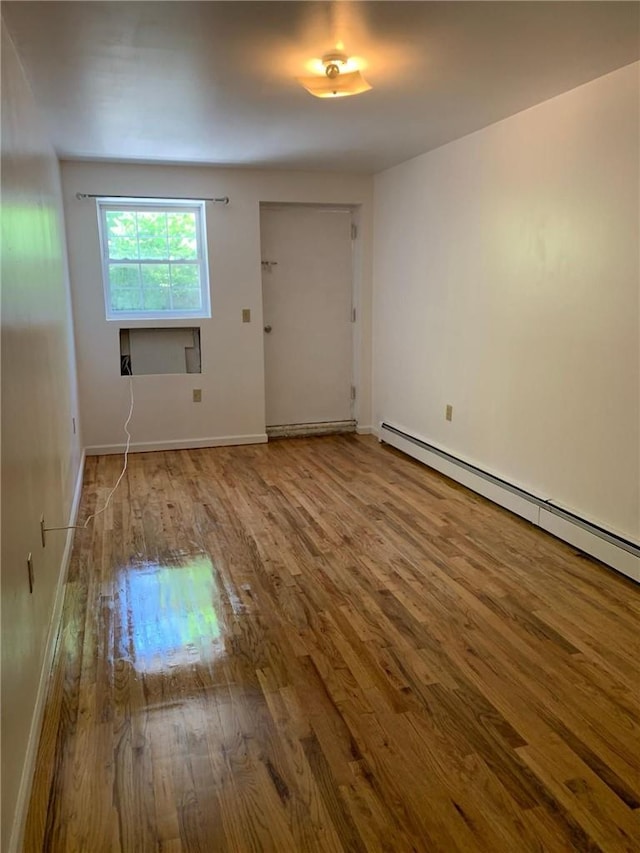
351,83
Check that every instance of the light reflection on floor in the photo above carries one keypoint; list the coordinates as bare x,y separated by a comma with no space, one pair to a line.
169,614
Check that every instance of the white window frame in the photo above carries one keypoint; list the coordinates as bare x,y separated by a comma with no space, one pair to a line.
105,204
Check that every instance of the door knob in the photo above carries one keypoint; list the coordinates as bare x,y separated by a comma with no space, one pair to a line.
267,329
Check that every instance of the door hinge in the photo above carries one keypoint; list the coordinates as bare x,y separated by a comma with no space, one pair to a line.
354,231
353,315
353,392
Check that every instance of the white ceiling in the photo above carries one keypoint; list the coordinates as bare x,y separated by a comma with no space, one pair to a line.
213,82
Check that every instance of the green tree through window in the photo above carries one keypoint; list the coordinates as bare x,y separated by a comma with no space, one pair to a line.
154,259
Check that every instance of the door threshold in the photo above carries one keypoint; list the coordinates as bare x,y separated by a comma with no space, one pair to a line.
323,428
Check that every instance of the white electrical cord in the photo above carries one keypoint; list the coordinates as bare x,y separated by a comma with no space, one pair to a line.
122,473
126,457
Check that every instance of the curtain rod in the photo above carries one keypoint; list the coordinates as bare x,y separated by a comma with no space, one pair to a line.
223,200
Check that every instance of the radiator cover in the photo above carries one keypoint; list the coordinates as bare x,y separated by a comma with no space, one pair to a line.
608,547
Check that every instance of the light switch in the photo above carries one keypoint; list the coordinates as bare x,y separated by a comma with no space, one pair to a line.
246,315
197,395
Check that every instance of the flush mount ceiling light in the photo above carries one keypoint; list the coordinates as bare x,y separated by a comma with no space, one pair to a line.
337,81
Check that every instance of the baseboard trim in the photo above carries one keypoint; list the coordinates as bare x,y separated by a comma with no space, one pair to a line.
605,545
365,430
28,769
301,430
183,444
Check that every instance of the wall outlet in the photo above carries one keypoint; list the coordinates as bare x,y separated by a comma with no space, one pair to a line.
197,395
449,413
246,315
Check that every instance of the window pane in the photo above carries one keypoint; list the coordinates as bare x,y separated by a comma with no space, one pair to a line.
183,241
185,274
126,299
156,287
122,239
186,298
124,275
152,234
185,287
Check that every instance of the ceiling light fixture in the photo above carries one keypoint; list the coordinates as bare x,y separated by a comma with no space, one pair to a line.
335,83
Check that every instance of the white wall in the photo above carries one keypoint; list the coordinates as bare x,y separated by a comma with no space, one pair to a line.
506,283
40,454
232,379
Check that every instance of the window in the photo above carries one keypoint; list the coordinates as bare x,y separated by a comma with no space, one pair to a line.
154,258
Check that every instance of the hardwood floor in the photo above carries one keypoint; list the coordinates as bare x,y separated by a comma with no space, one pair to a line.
318,644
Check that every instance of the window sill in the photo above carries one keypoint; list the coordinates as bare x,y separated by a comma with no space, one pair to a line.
163,322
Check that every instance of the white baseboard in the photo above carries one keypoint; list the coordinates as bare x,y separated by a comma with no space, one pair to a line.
606,546
365,430
28,769
183,444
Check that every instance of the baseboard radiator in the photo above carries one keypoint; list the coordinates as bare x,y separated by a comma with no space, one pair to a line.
621,554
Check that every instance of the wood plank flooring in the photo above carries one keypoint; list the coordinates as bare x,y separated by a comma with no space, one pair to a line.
320,645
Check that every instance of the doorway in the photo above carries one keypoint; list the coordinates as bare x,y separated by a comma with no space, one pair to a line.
307,292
